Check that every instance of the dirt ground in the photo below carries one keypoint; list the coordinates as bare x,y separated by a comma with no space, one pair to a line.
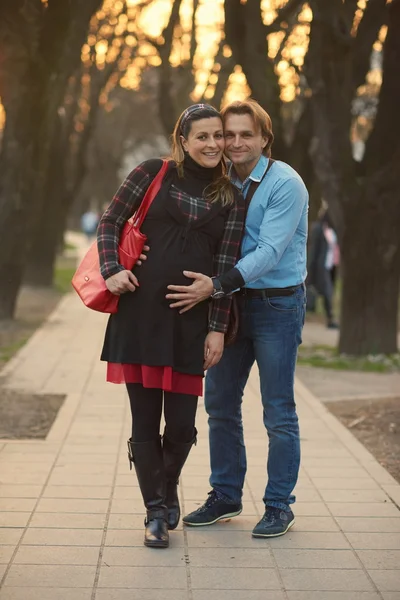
26,416
33,307
376,424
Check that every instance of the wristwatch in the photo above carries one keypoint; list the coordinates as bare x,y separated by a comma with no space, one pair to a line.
218,291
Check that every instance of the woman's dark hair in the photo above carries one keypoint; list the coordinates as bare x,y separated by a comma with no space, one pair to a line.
221,187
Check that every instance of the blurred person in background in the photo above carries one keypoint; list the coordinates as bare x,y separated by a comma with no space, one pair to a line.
195,221
323,263
89,222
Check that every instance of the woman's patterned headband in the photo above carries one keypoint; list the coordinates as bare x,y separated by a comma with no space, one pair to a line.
193,109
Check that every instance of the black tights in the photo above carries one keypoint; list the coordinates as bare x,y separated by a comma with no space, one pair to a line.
146,408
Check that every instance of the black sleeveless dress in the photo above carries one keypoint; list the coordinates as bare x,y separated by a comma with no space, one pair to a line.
184,232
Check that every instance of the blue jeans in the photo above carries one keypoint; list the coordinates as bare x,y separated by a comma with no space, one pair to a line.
269,333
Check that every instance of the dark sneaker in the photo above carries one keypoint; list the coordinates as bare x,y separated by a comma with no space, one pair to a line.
274,522
214,509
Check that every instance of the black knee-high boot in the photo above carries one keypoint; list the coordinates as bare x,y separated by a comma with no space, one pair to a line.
175,455
147,457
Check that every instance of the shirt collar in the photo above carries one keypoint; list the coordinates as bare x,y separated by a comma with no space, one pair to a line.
256,175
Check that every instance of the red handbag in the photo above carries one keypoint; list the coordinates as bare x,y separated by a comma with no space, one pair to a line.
88,281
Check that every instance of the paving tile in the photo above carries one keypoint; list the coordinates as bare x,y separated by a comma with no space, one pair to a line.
23,478
26,457
315,559
333,595
390,595
369,524
67,491
69,458
311,509
311,540
380,559
231,557
237,595
336,472
81,505
6,553
80,479
57,555
338,483
315,524
126,492
20,491
141,594
130,505
374,541
386,580
211,538
30,448
17,504
68,520
93,449
50,576
41,593
393,491
360,509
143,577
62,537
127,521
83,468
10,535
325,580
134,538
14,519
239,523
142,557
237,579
343,495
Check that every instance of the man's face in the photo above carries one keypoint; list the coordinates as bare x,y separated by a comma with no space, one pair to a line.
244,142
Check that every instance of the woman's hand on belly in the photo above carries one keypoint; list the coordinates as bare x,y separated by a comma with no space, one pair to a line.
124,281
213,348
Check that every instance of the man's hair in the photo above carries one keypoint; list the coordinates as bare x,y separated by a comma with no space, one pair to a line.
260,118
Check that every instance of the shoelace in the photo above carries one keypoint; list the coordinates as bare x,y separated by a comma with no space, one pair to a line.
270,515
212,498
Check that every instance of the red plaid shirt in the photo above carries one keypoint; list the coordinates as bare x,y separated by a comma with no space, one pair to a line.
126,202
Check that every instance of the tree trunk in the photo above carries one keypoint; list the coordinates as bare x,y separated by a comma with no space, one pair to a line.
371,244
15,158
371,269
56,33
366,209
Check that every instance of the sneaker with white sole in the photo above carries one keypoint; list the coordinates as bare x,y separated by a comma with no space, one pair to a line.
275,522
214,509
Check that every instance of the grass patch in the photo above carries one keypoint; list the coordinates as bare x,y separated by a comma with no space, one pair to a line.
329,358
7,352
69,246
63,274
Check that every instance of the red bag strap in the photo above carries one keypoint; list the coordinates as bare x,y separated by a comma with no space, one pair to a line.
149,196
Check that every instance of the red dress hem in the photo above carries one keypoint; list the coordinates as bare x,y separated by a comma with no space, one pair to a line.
164,378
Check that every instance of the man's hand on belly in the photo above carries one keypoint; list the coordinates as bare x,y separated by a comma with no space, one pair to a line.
187,296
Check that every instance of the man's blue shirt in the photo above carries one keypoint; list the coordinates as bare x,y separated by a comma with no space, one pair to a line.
275,237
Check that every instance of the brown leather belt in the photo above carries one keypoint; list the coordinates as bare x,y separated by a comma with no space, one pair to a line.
270,292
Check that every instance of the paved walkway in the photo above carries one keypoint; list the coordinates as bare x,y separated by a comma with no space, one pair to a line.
72,518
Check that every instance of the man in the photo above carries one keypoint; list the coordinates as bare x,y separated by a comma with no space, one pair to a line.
271,275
